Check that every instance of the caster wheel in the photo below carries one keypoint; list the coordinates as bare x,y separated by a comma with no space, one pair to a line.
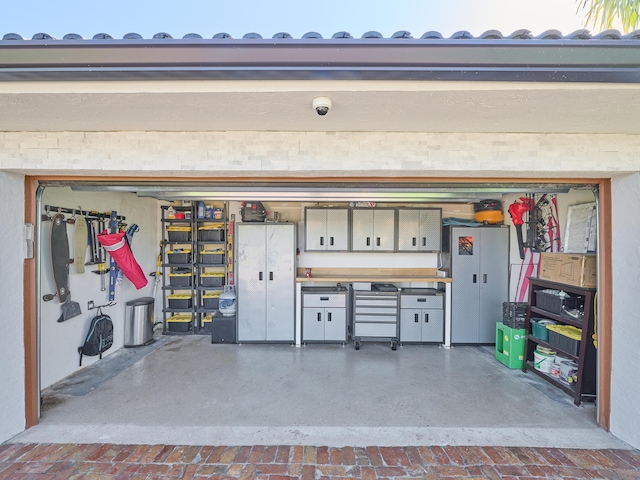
394,346
357,345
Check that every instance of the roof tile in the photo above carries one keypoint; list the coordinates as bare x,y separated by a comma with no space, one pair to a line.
521,34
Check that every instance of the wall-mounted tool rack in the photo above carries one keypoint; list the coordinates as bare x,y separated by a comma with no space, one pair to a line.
89,214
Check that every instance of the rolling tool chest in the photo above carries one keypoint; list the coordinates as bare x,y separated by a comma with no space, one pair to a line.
375,315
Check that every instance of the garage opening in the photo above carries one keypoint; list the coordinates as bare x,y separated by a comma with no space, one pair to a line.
385,328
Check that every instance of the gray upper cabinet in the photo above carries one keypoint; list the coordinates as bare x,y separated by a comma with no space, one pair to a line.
419,229
326,229
372,229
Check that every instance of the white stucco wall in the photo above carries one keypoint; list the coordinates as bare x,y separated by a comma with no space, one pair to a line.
625,376
12,400
60,341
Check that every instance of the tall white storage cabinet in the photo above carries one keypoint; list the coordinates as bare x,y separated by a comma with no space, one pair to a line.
479,263
265,279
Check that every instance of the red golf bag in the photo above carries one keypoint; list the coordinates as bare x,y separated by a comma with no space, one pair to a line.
117,246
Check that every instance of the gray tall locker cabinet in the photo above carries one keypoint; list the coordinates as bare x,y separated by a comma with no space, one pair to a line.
265,279
479,265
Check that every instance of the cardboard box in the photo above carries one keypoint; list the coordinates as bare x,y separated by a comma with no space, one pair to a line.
570,269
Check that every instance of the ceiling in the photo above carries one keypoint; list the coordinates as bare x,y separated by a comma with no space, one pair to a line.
286,105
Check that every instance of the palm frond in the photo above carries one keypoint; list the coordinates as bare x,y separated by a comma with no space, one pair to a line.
603,13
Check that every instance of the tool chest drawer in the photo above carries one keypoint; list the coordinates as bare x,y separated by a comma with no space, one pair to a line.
421,301
390,318
376,310
375,330
324,300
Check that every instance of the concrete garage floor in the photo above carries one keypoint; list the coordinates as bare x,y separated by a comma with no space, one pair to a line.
184,390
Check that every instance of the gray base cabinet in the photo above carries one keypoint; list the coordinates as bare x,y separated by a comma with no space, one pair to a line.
324,315
265,279
422,318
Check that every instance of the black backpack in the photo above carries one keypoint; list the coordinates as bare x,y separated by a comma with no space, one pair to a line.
100,336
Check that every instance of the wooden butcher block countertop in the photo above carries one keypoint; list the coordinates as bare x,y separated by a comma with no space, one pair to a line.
383,275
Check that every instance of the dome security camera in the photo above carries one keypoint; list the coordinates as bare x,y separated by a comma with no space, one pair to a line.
322,105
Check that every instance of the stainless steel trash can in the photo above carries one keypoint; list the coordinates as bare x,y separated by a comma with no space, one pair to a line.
138,326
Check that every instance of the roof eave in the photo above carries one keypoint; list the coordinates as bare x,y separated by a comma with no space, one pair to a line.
310,59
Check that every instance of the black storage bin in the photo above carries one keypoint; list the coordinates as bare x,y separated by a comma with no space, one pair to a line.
211,280
178,257
514,314
180,279
211,234
179,324
211,301
564,343
212,257
553,303
180,301
182,235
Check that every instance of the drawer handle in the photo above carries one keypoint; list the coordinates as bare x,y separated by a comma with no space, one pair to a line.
417,320
422,300
324,298
426,318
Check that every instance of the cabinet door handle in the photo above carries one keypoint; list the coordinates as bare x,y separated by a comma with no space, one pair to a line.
378,241
484,278
270,275
319,316
417,320
321,240
414,241
329,317
426,318
368,241
331,241
424,241
260,276
475,278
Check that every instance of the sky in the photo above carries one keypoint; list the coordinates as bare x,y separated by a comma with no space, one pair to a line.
268,17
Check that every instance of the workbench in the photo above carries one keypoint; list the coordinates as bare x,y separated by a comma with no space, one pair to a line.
396,276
